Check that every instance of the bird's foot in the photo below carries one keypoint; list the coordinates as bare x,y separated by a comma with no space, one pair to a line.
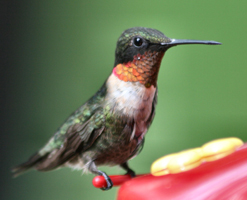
107,179
131,173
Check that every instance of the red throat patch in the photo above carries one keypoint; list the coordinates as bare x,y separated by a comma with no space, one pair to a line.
144,69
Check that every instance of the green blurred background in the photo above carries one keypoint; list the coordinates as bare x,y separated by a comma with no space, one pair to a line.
58,53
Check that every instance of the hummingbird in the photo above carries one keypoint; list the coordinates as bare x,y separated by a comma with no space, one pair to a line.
109,129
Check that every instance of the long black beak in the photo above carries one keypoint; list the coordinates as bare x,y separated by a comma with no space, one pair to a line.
175,42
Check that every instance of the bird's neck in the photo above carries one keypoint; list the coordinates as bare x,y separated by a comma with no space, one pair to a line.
143,69
132,99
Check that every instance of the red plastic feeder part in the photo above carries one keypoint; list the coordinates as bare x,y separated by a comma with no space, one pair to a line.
225,178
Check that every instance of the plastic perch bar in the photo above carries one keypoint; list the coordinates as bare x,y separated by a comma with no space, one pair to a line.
99,181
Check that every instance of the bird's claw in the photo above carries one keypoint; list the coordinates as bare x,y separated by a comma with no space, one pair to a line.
131,173
107,179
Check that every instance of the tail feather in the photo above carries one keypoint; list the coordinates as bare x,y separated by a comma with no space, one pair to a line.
33,160
51,160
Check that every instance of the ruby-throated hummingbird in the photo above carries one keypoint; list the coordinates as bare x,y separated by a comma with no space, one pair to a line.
109,128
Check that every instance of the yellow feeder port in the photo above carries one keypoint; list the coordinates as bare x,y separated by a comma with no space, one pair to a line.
189,159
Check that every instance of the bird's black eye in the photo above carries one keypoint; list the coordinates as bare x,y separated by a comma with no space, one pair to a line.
138,41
